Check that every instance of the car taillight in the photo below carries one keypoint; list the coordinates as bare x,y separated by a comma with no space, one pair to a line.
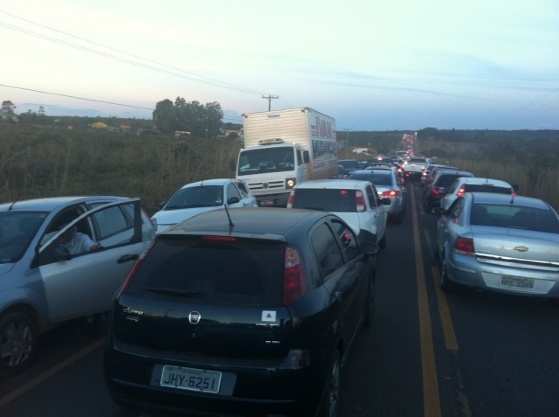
291,199
359,201
461,192
293,277
390,194
437,191
464,246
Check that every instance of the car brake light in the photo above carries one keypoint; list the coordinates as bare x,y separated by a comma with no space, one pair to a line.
464,246
359,201
291,199
293,277
216,238
390,194
436,191
461,192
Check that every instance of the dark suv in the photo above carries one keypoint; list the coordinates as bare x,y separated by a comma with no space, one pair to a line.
437,190
253,319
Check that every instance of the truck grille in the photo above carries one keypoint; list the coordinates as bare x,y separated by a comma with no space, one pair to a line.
262,186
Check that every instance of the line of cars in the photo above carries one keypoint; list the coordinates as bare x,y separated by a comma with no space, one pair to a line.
490,238
217,305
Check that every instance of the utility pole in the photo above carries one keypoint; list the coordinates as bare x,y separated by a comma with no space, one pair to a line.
270,97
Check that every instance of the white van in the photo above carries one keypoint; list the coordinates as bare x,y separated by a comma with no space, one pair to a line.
284,148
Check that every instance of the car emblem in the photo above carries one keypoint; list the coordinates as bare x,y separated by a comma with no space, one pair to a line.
265,185
521,248
194,317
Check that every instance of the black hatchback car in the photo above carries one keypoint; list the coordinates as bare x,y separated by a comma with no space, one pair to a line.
250,319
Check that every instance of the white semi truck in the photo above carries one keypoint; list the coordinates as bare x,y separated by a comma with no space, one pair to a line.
284,148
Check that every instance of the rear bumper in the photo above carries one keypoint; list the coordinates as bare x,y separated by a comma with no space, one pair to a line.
467,271
273,200
134,381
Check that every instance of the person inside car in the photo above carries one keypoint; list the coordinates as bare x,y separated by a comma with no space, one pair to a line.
75,243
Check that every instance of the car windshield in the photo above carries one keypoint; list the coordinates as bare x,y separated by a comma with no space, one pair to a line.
417,161
257,161
515,217
336,201
232,271
200,196
17,229
446,180
377,178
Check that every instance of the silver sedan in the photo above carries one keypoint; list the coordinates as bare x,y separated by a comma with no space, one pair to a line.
62,258
501,243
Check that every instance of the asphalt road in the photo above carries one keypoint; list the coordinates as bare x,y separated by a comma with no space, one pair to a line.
428,355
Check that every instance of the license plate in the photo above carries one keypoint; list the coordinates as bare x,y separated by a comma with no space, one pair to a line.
266,203
190,379
517,282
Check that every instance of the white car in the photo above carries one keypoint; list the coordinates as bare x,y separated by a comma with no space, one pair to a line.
202,196
386,182
474,185
355,202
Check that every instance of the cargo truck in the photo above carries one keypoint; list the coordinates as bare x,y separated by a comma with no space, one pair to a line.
283,148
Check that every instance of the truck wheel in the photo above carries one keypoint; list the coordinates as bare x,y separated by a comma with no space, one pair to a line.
18,341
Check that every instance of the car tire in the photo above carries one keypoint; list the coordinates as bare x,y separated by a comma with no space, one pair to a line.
18,333
382,243
331,406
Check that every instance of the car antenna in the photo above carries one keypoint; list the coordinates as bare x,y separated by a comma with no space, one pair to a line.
231,224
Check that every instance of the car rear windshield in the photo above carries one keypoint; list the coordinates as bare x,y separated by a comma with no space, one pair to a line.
17,229
258,161
417,161
202,196
515,217
242,272
486,188
378,179
446,179
325,200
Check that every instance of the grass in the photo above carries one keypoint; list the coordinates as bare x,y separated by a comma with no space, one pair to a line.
47,161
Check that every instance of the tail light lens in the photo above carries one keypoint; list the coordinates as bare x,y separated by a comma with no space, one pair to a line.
461,192
390,194
359,201
291,199
464,246
437,191
293,277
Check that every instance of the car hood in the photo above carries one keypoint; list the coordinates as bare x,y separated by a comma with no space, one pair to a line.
171,217
5,268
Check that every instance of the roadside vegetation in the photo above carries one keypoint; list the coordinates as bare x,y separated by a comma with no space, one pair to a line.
528,158
42,161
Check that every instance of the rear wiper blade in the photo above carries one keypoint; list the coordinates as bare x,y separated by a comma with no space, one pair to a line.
173,291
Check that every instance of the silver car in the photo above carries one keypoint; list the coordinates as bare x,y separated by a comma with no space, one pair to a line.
502,243
62,258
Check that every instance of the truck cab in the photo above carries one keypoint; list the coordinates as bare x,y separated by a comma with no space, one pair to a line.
272,168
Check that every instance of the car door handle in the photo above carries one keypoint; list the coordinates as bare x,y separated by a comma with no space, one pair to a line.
127,258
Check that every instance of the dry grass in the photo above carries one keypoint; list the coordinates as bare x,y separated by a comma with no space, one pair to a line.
40,162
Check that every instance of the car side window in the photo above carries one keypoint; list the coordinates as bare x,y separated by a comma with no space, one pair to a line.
346,238
110,222
453,187
326,250
456,209
233,192
299,158
306,157
65,217
372,197
242,188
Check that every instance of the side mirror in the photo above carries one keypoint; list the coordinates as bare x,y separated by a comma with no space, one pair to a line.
233,200
385,201
516,188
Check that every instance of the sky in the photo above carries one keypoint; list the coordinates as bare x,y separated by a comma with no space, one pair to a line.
374,65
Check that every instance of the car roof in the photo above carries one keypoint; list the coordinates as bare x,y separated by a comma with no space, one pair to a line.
483,181
52,203
505,199
333,184
212,181
271,223
373,171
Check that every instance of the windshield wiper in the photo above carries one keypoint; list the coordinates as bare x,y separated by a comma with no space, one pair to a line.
173,291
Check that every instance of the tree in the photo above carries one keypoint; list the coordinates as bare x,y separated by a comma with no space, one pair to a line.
42,112
214,114
8,108
165,116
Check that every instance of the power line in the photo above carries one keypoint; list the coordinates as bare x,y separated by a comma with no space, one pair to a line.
93,100
160,67
270,97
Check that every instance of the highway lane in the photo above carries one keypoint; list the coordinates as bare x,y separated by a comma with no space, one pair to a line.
428,354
